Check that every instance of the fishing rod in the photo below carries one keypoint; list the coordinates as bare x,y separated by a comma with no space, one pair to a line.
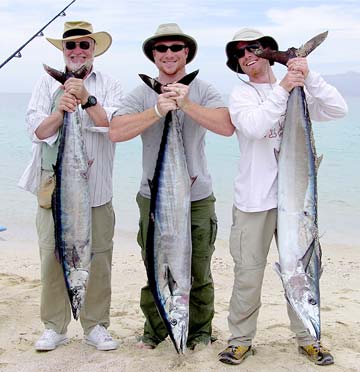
17,53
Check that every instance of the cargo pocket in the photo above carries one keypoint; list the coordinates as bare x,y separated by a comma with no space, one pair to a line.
214,229
46,189
103,225
235,244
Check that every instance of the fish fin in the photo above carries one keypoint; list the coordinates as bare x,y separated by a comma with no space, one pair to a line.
79,73
278,56
277,154
192,180
57,75
86,173
277,268
187,79
284,56
152,83
305,260
151,184
169,279
157,86
318,161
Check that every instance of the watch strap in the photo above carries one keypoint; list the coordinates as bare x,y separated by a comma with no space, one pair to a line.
91,101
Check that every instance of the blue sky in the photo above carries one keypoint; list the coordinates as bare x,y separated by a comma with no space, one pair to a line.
212,23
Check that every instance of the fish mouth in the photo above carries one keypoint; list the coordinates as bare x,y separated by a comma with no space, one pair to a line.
314,329
180,339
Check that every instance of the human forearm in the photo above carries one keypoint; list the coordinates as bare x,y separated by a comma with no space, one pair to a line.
98,115
49,126
216,120
128,126
324,100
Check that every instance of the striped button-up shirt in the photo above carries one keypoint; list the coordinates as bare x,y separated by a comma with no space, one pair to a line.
100,149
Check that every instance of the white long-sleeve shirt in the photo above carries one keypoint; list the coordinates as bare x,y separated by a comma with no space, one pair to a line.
258,113
100,149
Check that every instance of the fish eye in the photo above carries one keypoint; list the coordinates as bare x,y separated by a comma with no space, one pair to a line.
173,322
312,301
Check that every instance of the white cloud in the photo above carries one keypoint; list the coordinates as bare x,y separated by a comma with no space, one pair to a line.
211,23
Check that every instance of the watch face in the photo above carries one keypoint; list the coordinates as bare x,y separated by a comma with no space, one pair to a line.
92,100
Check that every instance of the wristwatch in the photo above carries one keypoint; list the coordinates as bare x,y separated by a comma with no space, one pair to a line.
91,101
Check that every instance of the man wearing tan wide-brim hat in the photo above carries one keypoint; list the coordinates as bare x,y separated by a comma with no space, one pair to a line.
199,108
75,30
96,97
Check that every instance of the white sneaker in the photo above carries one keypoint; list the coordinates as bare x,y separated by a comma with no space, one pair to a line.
100,338
50,340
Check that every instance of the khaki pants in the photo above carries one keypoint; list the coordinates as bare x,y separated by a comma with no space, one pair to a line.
55,307
250,239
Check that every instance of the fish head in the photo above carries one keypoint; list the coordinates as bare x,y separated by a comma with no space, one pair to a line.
76,281
77,296
179,322
303,296
179,331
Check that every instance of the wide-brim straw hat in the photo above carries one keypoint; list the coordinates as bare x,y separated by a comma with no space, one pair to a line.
169,31
77,29
247,34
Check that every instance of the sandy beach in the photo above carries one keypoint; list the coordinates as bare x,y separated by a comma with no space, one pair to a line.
274,345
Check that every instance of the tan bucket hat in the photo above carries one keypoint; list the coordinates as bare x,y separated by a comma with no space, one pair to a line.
247,34
169,31
76,29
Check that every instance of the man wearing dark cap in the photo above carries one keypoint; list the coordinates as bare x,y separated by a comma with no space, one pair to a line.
257,108
199,107
99,96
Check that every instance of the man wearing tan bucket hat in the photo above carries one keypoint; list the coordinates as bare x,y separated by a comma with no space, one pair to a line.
257,108
199,107
99,96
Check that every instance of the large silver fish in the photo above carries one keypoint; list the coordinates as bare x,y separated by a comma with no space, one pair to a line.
297,227
168,245
71,204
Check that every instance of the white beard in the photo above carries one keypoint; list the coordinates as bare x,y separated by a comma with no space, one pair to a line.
74,66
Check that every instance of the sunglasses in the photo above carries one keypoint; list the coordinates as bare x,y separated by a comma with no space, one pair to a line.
164,48
70,45
240,52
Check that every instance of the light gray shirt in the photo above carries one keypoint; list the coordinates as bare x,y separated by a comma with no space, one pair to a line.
100,149
142,98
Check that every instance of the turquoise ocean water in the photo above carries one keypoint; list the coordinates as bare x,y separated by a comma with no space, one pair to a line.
338,178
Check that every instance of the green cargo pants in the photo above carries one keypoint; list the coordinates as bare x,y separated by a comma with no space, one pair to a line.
201,309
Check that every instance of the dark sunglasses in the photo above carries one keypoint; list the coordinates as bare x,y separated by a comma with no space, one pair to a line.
240,52
70,45
164,48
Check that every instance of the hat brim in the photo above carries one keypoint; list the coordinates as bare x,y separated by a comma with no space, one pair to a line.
233,62
102,39
188,40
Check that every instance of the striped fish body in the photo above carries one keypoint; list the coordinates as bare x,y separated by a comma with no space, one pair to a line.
169,247
297,226
71,207
171,268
